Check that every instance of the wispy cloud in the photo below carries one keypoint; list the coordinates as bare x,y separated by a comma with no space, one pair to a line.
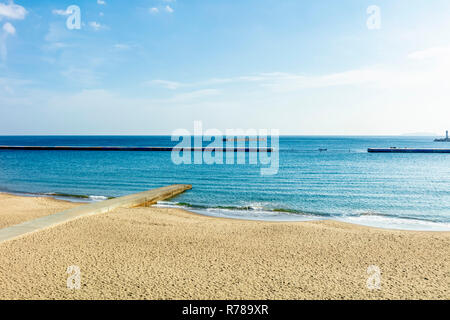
97,26
188,96
169,9
375,77
435,52
61,12
55,33
56,46
172,85
8,90
81,76
101,2
408,75
260,78
11,85
122,46
154,10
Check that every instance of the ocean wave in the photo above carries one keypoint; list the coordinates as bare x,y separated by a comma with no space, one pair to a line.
75,197
387,222
99,198
256,212
251,207
66,195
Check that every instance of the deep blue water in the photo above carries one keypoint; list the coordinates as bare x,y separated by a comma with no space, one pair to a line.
406,191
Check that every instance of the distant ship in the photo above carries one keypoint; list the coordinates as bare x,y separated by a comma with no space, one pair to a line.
446,139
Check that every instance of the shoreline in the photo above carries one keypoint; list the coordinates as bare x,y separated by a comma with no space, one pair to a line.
309,221
87,199
18,209
165,253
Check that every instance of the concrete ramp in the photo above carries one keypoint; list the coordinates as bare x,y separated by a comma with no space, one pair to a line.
133,200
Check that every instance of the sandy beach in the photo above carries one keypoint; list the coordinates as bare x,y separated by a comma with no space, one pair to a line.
162,253
15,209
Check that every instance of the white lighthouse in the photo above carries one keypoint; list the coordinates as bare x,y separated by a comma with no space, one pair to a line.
446,139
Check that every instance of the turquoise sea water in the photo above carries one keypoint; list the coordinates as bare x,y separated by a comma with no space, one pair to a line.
404,191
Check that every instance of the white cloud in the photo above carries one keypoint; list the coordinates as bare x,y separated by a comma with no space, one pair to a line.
291,82
167,8
382,77
57,33
121,46
101,2
195,95
9,11
3,50
430,53
12,11
410,74
172,85
60,12
9,28
8,85
82,76
14,82
96,26
56,46
339,102
176,85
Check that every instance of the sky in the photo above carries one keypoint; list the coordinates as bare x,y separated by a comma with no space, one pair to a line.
153,66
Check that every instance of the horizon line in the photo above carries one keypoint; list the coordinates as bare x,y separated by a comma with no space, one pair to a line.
168,135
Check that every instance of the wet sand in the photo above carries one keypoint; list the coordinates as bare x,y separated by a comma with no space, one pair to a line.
162,253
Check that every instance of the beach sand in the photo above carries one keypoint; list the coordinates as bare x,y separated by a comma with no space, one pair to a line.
163,253
15,209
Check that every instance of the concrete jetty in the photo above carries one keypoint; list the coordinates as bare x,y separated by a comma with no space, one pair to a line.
133,200
406,150
78,148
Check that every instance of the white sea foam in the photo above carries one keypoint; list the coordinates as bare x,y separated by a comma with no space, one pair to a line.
98,198
395,223
371,219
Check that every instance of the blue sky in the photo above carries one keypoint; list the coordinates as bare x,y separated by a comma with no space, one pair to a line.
149,67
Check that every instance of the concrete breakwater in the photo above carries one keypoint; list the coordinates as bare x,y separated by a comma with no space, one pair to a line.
406,150
133,200
169,149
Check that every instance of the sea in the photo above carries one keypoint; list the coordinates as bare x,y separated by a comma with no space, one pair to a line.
318,177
